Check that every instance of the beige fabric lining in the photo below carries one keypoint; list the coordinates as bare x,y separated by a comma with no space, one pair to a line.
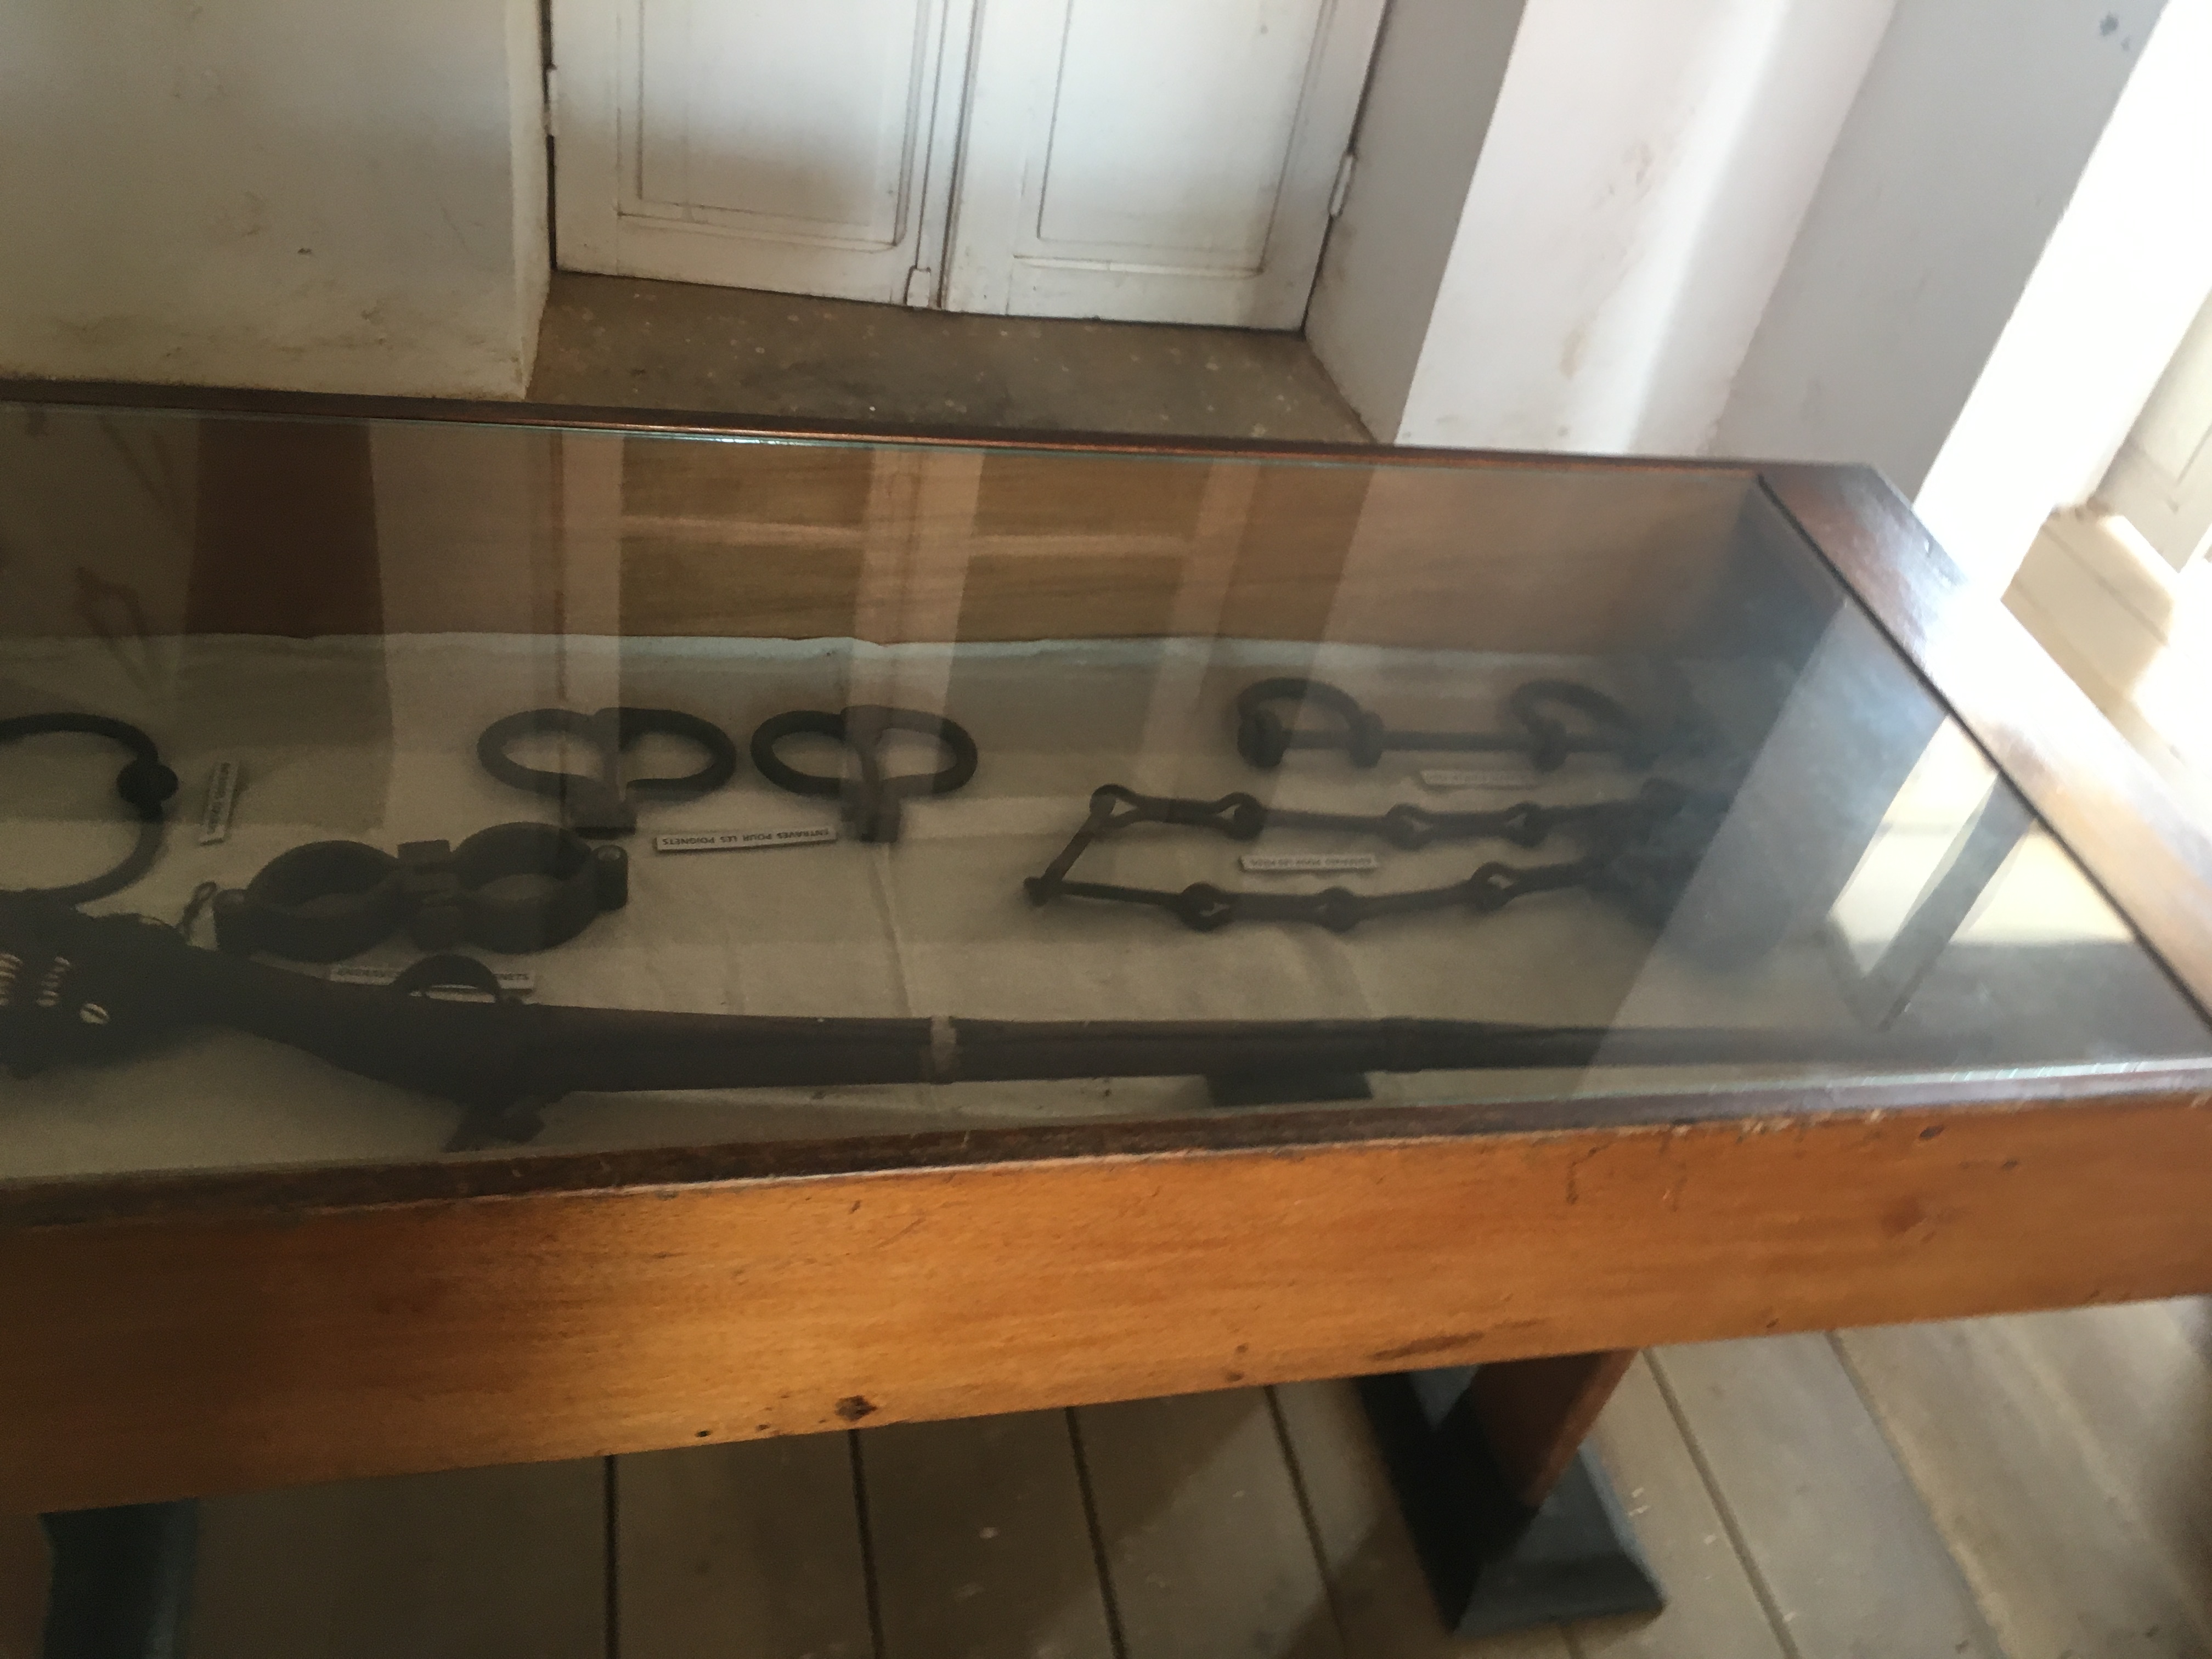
374,739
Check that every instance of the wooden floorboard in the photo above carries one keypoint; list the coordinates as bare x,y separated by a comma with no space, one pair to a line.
750,1551
1206,1552
979,1541
2130,1390
1713,1608
489,1564
2053,1547
1840,1544
2036,1487
2192,1318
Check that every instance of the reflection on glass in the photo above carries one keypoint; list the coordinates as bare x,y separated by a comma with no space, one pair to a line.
1293,748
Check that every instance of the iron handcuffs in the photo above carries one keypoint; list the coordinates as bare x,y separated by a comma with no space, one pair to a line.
333,899
871,803
144,783
605,805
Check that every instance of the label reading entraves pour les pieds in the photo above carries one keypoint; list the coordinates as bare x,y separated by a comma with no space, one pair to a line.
520,983
220,802
742,841
1301,863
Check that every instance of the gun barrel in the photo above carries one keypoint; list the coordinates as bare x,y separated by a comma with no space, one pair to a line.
139,979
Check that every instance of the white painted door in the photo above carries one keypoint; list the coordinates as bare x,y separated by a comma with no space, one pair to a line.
786,144
1163,160
2161,480
1155,160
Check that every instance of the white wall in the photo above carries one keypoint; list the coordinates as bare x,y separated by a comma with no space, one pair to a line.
1975,121
1636,198
2118,286
1431,91
529,183
273,193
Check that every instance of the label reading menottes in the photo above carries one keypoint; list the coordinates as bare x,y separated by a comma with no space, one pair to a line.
221,800
1294,864
741,841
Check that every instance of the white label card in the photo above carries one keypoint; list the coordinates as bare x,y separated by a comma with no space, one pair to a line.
220,801
1292,864
1458,778
518,981
742,841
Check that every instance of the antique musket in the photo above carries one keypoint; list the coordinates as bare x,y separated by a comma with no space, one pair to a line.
76,988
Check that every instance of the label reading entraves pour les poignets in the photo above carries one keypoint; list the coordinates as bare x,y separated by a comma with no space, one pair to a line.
1299,864
742,841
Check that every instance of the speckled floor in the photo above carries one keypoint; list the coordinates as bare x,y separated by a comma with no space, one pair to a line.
613,340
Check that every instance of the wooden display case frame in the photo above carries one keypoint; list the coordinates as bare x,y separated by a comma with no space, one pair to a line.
173,1334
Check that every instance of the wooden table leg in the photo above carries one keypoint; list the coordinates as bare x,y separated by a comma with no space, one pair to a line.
1512,1525
1534,1414
23,1571
121,1579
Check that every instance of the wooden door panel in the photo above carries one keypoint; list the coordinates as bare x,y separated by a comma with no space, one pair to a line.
1164,161
756,144
1193,180
764,118
1155,160
2161,480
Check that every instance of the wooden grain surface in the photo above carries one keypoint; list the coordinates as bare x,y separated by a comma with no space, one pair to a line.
1002,544
982,1542
1016,536
1714,1609
494,1328
505,1561
2066,1459
1534,1412
1204,1548
746,1552
484,1333
2062,1456
2106,1374
1849,1556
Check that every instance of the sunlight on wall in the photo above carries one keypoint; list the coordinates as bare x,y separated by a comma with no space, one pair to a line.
2115,288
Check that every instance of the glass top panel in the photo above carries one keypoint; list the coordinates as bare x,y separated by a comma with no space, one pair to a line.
1221,785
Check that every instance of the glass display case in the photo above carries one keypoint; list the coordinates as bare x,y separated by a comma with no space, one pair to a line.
590,929
1211,783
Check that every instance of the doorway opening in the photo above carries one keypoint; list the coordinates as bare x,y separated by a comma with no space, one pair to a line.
2118,588
1139,161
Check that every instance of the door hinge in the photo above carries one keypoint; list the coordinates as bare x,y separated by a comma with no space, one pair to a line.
1343,186
552,97
921,287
